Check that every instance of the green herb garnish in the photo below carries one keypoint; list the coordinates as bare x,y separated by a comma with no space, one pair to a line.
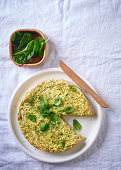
57,101
31,101
40,98
63,143
45,113
69,110
55,118
76,125
44,126
72,88
43,107
51,112
32,118
35,96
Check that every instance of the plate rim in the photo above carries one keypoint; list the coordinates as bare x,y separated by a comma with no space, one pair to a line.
28,151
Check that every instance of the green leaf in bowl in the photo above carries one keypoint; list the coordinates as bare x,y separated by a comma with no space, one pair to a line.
27,37
40,54
20,59
27,53
33,48
38,45
16,39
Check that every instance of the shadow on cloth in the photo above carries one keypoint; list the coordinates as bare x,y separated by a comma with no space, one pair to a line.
52,61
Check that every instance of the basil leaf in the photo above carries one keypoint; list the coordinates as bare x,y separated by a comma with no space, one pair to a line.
51,112
45,113
32,118
27,37
31,101
44,126
48,112
76,125
72,88
69,110
55,118
57,101
35,96
40,98
63,143
43,107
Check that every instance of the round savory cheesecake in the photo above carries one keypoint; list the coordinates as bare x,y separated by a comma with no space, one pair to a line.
41,110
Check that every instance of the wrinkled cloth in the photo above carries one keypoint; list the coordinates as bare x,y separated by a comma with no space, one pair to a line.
86,35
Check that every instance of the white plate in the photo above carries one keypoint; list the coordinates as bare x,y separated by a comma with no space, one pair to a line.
90,126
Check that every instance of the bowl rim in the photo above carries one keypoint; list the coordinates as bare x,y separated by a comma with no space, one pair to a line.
45,47
99,110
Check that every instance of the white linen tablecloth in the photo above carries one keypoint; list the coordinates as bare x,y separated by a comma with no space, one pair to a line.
86,35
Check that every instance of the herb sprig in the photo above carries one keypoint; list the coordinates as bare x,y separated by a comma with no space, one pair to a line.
32,117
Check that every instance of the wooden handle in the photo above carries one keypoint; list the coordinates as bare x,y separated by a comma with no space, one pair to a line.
97,98
82,84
